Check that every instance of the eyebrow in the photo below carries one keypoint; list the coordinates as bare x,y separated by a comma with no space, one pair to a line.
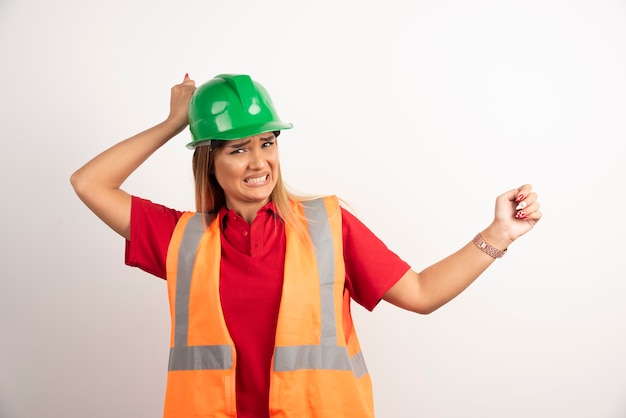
240,144
247,141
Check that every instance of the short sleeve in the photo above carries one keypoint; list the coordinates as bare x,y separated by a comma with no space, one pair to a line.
151,228
371,268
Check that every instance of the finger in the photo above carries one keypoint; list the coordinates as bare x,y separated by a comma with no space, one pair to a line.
527,213
522,212
188,81
526,201
534,217
522,192
534,207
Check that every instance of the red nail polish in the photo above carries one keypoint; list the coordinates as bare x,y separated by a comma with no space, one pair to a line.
186,75
520,197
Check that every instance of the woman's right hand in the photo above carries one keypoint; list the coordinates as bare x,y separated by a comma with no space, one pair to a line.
179,102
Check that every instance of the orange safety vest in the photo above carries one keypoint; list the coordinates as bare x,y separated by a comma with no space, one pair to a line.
318,369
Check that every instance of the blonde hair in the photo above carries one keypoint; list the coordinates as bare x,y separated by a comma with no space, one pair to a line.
210,196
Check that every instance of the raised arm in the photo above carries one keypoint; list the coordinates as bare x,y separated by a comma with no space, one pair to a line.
517,211
98,182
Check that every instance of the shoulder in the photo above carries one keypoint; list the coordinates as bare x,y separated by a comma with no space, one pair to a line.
316,207
149,214
148,205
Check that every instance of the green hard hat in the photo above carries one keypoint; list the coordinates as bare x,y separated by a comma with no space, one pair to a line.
231,106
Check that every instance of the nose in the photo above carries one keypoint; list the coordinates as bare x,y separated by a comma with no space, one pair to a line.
257,159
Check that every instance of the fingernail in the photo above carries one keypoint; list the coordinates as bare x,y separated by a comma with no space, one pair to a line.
520,197
521,205
186,76
521,215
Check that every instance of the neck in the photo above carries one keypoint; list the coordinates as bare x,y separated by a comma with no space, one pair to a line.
247,211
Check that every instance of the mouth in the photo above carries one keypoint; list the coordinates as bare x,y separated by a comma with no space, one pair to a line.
257,180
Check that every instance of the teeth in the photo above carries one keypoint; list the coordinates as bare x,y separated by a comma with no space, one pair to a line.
256,180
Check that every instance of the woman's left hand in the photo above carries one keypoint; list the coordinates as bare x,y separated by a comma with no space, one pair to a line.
517,211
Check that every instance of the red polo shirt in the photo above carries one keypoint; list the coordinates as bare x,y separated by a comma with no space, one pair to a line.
251,276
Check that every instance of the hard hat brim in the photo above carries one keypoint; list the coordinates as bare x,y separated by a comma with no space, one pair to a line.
243,132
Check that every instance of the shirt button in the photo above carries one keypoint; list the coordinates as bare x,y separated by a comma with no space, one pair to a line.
245,233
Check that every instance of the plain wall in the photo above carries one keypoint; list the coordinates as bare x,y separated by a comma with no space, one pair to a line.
418,113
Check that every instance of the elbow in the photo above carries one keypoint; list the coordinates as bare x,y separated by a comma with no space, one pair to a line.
425,309
82,185
74,179
424,306
77,182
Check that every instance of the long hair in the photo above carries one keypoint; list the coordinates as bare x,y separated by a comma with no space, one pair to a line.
210,197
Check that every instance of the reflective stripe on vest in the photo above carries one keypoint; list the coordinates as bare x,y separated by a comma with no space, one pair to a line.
182,356
328,355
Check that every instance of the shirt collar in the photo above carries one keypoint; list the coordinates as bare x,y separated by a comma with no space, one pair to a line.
226,214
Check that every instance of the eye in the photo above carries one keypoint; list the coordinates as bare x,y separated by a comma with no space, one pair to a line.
268,144
237,151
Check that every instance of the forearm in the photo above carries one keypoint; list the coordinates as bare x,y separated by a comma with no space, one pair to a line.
112,167
443,281
517,211
98,182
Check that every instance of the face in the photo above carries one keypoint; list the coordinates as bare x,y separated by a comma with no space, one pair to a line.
247,170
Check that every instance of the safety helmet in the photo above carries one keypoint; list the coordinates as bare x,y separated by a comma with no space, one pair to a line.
231,106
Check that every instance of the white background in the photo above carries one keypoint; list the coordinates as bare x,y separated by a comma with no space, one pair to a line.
418,113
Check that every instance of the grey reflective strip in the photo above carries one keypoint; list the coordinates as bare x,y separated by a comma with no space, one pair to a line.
319,229
201,357
183,356
318,357
358,364
328,355
186,257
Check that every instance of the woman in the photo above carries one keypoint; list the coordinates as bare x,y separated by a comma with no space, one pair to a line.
259,280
